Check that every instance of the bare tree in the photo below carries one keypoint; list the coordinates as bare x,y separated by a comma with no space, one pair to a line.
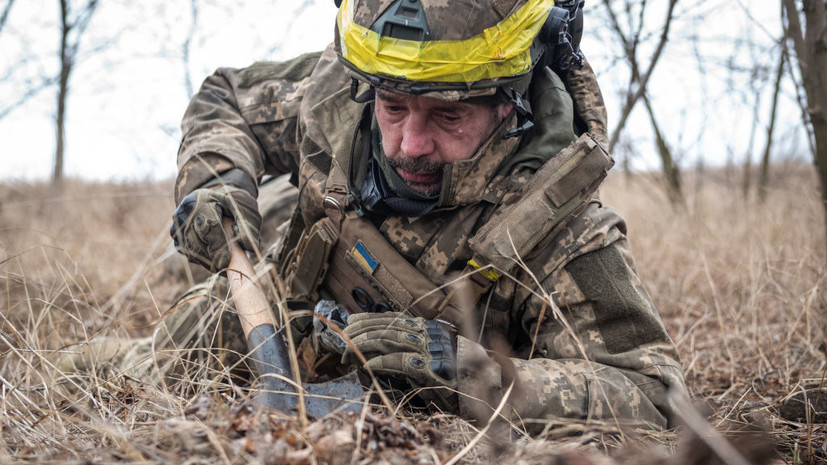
810,43
763,180
186,48
752,97
671,172
746,181
631,40
72,26
32,86
638,81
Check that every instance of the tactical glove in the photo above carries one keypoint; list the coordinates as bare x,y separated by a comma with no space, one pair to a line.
407,353
196,224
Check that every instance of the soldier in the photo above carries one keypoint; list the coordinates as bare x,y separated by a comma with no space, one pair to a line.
447,157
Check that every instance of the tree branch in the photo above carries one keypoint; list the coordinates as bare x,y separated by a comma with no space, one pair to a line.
643,80
186,47
4,16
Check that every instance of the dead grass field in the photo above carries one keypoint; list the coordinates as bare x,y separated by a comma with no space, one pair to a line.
740,285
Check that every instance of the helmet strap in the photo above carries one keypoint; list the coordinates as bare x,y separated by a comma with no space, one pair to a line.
365,97
523,110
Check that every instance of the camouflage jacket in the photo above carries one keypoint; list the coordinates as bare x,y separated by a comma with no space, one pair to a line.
585,340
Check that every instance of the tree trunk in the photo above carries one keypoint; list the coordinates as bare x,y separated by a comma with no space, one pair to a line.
671,172
765,160
186,47
66,57
746,181
70,25
820,133
811,50
638,82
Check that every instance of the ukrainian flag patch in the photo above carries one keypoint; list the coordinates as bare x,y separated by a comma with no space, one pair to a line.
360,253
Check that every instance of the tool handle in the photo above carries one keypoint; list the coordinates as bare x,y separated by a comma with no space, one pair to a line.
267,348
250,301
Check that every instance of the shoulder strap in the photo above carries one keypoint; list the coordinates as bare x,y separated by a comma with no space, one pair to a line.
561,188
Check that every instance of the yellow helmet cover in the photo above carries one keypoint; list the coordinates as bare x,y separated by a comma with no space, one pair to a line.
497,52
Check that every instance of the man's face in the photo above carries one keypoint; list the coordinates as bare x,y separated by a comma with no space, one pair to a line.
422,134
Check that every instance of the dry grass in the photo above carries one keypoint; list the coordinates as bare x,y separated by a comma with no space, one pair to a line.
741,287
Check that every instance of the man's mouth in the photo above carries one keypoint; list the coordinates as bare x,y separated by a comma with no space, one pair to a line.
428,177
419,174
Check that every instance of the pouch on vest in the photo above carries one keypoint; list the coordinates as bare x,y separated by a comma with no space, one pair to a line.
307,269
562,187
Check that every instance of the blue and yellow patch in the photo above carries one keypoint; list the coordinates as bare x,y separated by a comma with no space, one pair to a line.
360,253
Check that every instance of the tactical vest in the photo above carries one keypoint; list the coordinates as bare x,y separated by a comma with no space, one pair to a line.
344,257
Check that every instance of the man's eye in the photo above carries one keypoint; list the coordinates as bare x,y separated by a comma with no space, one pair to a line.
394,110
449,117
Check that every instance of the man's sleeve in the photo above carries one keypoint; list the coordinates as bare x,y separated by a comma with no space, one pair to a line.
601,353
244,119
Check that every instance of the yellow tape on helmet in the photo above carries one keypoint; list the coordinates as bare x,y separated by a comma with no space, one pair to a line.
499,51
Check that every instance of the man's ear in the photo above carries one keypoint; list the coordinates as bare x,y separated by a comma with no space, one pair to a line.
503,110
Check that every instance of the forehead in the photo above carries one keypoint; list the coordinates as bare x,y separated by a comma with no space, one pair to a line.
420,101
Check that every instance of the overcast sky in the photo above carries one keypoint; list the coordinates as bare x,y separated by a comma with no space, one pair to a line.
128,98
128,91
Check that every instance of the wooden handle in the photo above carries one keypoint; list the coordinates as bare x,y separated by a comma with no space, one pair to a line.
250,301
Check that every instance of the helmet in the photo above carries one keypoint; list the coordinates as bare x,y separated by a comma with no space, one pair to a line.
456,49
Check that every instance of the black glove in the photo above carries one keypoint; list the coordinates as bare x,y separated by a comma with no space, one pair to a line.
197,231
407,353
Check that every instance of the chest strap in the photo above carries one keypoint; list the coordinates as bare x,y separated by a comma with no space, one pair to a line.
364,259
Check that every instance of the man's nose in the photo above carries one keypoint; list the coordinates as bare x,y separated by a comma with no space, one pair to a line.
417,140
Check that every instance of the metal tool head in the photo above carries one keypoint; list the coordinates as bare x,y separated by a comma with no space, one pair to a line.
340,395
268,351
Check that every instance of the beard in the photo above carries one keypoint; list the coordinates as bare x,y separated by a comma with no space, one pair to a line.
430,171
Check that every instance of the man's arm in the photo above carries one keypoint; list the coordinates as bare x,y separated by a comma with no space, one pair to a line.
241,125
243,119
601,354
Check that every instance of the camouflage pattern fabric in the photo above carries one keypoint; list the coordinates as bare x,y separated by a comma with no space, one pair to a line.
256,136
103,360
201,338
588,101
564,343
454,23
589,360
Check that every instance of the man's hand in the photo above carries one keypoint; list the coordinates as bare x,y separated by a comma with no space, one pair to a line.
196,224
406,352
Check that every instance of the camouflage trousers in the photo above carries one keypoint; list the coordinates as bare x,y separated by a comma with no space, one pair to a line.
198,345
201,337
